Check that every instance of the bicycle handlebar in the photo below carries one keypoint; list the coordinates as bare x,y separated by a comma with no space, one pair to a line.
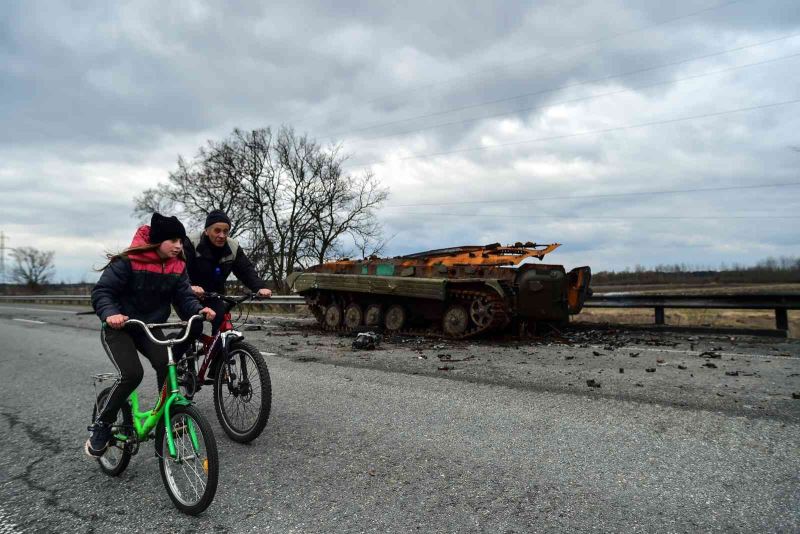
147,327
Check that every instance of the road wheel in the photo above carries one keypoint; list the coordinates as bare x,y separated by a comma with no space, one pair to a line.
455,321
481,311
333,316
395,318
353,316
373,316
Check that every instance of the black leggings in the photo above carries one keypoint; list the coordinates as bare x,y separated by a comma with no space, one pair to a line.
121,347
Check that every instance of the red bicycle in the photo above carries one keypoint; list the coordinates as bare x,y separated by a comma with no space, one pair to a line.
242,386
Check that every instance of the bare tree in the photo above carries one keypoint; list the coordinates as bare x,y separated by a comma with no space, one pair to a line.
288,199
198,187
34,267
343,204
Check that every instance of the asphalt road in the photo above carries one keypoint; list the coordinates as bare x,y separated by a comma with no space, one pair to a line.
355,447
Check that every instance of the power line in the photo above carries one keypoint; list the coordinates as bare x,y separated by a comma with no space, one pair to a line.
579,134
584,98
594,43
562,87
612,218
603,195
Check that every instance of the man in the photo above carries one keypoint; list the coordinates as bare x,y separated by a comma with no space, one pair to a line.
212,256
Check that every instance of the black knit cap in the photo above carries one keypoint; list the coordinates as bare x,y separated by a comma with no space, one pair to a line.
163,228
217,216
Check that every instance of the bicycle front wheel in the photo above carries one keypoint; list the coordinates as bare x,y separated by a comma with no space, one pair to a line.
243,393
191,476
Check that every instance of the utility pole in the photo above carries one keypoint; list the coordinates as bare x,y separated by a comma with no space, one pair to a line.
2,257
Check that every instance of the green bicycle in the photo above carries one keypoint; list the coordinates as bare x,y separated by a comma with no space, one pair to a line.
184,441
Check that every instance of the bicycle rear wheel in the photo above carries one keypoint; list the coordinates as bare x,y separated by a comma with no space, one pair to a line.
191,477
118,454
243,393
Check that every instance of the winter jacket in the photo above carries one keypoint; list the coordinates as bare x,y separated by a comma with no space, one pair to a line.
142,286
210,271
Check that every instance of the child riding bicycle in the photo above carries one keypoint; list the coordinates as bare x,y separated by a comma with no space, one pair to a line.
140,283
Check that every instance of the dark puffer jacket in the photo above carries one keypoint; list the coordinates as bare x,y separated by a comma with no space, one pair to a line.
143,286
209,268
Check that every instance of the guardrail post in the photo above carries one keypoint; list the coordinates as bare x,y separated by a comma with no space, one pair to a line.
781,319
659,314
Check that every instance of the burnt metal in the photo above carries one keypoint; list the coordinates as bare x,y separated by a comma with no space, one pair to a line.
460,291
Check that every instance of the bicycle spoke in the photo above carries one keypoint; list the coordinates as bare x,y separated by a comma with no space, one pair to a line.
186,472
242,411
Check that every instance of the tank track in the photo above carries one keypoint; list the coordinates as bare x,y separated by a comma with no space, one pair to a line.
501,315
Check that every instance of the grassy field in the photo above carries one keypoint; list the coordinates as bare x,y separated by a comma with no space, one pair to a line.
761,319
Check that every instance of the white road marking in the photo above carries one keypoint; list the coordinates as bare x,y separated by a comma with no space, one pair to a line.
268,353
70,312
29,321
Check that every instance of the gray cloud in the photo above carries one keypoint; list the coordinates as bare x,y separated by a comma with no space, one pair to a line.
98,101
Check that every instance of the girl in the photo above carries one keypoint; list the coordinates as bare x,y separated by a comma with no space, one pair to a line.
140,283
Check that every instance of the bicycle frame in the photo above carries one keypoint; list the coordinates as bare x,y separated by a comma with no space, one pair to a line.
144,422
215,346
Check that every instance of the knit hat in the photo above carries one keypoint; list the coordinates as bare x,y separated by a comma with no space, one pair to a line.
217,216
163,228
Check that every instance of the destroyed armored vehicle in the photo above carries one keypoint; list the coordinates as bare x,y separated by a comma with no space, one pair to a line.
459,291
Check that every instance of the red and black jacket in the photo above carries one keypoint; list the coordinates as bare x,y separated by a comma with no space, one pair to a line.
142,286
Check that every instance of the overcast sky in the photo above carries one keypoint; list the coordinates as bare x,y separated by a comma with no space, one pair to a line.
448,102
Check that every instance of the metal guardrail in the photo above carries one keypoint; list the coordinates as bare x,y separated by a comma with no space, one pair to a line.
781,303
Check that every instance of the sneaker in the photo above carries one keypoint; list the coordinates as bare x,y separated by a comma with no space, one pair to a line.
98,440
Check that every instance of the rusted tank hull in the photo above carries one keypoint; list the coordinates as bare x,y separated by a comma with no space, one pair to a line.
485,290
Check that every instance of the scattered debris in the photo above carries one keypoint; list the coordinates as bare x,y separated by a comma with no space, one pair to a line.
448,358
796,395
366,341
569,357
682,367
710,365
635,354
597,353
659,360
621,371
710,354
651,369
592,383
445,368
732,373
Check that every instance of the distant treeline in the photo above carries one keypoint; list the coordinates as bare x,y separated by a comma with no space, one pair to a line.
233,287
770,270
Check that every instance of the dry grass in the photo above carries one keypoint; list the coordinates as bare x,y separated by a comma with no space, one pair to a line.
763,319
